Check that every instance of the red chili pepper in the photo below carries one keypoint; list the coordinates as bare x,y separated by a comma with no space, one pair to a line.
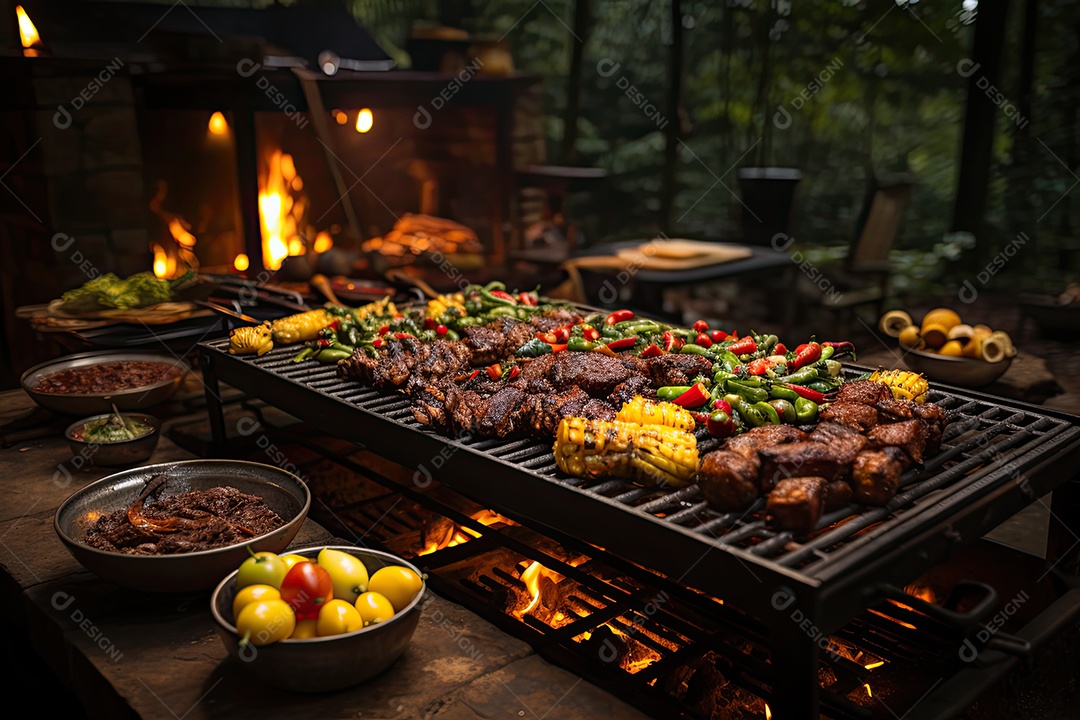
721,422
806,392
840,347
734,335
622,343
703,340
590,333
502,294
335,325
651,351
441,330
701,326
429,323
780,349
398,316
718,336
694,397
527,299
513,373
806,354
604,350
758,367
672,341
324,343
549,338
384,329
378,342
562,334
494,371
619,316
744,346
473,376
700,417
721,404
558,348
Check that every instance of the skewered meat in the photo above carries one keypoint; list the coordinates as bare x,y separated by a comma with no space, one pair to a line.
676,369
728,480
837,495
875,477
796,504
863,392
860,417
910,436
801,459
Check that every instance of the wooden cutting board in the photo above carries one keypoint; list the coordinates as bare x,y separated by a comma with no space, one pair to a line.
666,255
48,318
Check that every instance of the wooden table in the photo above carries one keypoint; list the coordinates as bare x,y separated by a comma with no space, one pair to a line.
126,654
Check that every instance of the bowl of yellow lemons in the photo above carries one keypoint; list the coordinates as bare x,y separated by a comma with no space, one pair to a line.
318,619
944,348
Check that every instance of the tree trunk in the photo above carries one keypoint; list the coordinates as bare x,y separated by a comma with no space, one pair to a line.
673,127
573,82
980,116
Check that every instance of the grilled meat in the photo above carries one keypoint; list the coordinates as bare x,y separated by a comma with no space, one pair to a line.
748,443
594,373
910,436
676,369
838,494
796,504
844,439
863,392
934,416
728,480
875,476
487,344
635,385
801,459
860,417
499,415
553,318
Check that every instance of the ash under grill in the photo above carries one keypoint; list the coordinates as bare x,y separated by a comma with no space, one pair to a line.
995,458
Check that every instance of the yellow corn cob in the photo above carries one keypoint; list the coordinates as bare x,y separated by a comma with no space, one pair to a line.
646,412
441,304
252,339
301,327
905,385
652,454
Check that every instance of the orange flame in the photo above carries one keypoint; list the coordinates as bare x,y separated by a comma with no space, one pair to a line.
218,125
463,534
164,264
241,262
364,120
180,233
768,712
28,34
323,242
280,211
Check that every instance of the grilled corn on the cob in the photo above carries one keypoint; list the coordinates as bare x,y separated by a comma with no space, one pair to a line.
646,412
905,385
301,327
251,339
441,304
653,454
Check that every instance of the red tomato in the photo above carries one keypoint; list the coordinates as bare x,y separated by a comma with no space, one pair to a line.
306,587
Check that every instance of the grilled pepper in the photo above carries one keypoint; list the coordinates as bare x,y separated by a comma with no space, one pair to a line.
652,350
806,410
806,354
696,396
750,414
618,316
533,348
743,346
781,392
694,349
721,422
580,344
645,412
784,410
653,454
751,394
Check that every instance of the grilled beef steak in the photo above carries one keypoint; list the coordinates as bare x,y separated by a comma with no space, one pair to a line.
728,480
796,504
875,477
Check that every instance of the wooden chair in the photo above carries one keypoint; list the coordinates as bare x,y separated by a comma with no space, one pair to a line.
864,277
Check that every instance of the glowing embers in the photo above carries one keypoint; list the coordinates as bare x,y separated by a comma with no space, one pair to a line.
440,532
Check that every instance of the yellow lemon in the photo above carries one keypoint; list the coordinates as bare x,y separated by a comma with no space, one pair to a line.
337,617
374,608
253,593
945,317
398,584
909,337
935,335
953,348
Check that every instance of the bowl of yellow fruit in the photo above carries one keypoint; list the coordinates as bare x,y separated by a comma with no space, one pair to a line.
318,619
943,348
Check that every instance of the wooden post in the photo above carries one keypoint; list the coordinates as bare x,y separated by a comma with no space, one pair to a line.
674,98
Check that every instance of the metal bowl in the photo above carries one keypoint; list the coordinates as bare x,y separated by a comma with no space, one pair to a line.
88,404
283,492
962,372
115,454
322,664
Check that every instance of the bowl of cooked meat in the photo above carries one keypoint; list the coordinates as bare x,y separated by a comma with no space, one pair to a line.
181,526
90,383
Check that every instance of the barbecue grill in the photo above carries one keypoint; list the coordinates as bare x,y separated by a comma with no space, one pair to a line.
996,457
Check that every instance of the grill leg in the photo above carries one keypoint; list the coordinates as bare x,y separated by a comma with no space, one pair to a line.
794,662
219,438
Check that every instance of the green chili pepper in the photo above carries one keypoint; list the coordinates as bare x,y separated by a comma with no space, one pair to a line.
800,377
670,392
805,410
303,354
470,321
495,299
692,349
826,352
352,335
820,386
722,376
784,410
833,367
782,393
451,335
749,414
765,343
751,394
610,331
580,344
772,417
533,348
730,360
493,285
636,327
752,381
369,350
332,354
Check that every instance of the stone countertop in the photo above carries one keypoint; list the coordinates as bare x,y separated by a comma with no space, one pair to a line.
127,654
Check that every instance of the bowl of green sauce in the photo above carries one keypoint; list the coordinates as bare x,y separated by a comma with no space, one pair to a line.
109,440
